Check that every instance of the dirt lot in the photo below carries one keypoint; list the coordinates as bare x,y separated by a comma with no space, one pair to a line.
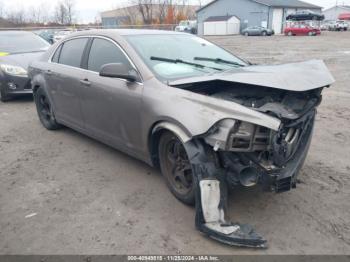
63,193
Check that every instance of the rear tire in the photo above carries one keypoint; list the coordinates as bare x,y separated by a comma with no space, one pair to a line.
45,110
176,168
264,33
290,33
246,34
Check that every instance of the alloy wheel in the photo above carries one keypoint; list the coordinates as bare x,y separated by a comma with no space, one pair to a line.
178,166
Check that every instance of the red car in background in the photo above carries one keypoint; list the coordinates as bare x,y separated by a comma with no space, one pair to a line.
301,30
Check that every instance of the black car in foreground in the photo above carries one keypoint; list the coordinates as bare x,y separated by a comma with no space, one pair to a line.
305,15
17,50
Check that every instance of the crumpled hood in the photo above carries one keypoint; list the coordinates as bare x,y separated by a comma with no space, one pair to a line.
301,76
22,60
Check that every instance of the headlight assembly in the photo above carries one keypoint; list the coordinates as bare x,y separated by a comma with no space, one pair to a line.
238,136
14,70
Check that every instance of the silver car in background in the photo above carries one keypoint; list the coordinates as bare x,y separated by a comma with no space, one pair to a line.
187,26
257,30
208,119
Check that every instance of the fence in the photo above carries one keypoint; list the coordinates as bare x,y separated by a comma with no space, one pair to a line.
170,27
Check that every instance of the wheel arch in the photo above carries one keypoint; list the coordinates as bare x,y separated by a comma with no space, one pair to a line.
156,132
38,81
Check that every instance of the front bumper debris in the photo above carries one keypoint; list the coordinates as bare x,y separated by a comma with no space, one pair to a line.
214,171
211,198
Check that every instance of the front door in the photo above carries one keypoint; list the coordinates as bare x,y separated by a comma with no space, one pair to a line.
111,107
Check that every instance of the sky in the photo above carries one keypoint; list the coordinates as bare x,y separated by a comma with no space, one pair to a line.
88,10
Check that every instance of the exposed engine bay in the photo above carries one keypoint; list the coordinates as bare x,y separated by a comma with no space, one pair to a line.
280,103
248,154
253,154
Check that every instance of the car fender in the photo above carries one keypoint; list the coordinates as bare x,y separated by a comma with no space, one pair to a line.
178,131
190,114
38,80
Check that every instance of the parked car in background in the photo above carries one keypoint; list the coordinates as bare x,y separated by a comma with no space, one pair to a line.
17,50
46,35
62,34
325,25
257,30
208,119
301,29
187,26
305,15
338,26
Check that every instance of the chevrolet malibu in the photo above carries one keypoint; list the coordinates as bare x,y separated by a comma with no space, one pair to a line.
207,118
17,50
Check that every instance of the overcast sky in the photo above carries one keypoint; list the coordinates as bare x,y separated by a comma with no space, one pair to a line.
87,10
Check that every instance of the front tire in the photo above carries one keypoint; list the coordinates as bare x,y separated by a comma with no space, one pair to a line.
45,110
3,96
176,168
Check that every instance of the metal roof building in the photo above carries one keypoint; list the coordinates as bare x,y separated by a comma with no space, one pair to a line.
334,12
266,13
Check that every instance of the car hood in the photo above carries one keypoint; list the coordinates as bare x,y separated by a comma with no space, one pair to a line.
23,59
301,76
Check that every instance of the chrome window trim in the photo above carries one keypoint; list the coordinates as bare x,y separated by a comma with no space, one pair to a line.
86,70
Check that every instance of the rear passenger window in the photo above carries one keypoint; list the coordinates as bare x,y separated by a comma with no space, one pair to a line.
105,52
72,52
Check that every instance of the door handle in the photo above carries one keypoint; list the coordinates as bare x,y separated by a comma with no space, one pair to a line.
85,82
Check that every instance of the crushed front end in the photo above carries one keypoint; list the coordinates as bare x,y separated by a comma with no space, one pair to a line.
241,153
272,159
252,154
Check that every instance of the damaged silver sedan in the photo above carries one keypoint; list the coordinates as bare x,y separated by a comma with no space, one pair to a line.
208,119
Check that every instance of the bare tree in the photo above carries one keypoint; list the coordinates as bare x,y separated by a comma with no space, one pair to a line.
69,4
145,8
162,10
1,9
17,17
34,14
60,13
64,12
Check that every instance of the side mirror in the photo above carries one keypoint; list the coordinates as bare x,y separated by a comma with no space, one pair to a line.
117,70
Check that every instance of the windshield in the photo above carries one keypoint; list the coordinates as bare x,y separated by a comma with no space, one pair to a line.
21,42
179,55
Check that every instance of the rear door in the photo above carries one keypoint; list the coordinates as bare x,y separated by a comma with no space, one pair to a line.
111,107
63,77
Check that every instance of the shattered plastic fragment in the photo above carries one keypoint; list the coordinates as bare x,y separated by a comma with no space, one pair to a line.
211,198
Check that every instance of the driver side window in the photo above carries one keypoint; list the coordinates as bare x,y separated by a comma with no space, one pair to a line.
105,52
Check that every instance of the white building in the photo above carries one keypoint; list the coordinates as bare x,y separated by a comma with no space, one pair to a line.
222,25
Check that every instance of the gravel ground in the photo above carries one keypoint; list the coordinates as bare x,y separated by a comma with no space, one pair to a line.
64,193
